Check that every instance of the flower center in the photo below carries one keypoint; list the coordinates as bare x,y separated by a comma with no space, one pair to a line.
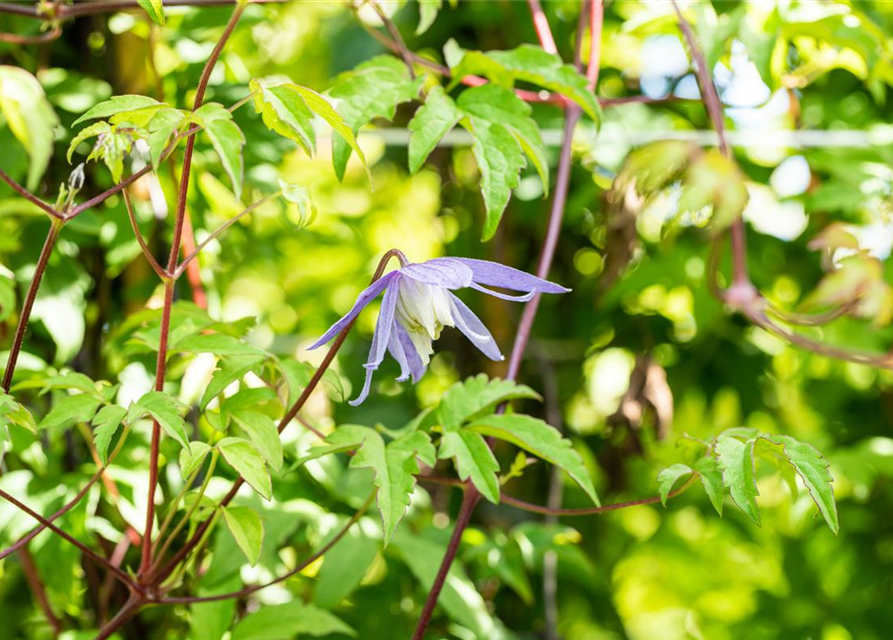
423,310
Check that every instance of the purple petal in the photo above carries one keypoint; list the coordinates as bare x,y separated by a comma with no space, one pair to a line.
380,339
368,295
403,351
498,275
441,272
470,325
503,296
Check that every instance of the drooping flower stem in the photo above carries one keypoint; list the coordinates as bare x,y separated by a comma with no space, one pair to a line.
159,574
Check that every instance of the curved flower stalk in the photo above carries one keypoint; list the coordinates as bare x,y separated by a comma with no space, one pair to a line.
418,303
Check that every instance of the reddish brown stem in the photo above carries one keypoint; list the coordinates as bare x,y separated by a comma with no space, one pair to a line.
87,551
36,586
541,24
130,608
469,502
24,540
404,51
42,261
160,369
505,498
40,38
30,197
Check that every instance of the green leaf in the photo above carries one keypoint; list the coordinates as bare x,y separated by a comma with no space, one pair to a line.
427,14
155,10
217,343
247,529
527,63
261,429
192,457
229,370
711,478
394,465
540,439
371,90
289,621
500,159
319,452
166,410
813,470
285,112
344,567
11,412
498,105
111,147
714,180
95,129
321,107
161,127
72,380
30,118
477,395
668,478
654,166
473,459
303,213
69,411
248,463
735,460
106,423
431,122
227,140
117,105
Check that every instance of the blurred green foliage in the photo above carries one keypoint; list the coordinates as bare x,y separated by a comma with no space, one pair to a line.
638,357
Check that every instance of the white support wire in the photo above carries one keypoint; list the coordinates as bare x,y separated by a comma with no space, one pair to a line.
801,138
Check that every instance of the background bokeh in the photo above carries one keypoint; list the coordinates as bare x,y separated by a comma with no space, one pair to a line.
646,573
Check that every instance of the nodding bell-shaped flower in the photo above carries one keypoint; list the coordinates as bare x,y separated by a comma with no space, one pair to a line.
418,303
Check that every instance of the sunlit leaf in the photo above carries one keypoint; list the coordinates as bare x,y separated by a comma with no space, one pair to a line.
105,424
813,470
166,410
473,459
154,8
542,440
119,104
248,530
29,116
394,464
371,90
287,621
261,429
476,395
248,463
432,121
735,460
668,478
227,140
527,63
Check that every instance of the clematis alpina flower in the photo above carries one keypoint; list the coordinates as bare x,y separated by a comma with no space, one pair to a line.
418,303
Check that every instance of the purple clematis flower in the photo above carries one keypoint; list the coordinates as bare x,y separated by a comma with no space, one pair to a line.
418,303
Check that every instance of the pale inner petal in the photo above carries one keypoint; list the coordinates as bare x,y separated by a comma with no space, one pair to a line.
423,310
